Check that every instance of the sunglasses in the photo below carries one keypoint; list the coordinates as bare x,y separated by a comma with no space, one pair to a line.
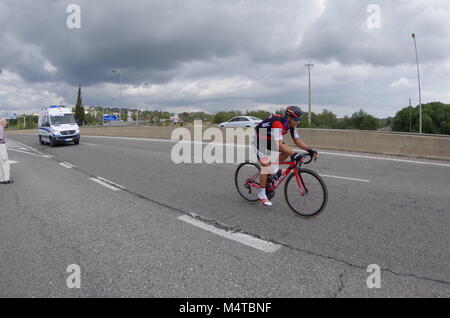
297,119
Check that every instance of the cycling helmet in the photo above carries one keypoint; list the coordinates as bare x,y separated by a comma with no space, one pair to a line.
294,112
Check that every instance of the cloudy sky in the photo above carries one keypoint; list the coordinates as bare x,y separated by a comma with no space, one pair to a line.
212,55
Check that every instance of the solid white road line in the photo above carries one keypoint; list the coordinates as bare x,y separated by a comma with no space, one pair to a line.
242,238
66,165
11,162
344,178
386,159
106,185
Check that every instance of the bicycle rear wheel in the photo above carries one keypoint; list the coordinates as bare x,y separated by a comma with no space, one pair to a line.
247,172
315,198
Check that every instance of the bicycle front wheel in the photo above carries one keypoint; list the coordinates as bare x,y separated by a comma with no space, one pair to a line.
309,198
246,174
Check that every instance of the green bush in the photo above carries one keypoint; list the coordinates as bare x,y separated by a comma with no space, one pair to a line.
436,119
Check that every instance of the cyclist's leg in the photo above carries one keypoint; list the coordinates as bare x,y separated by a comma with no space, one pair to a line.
263,156
266,170
263,150
283,156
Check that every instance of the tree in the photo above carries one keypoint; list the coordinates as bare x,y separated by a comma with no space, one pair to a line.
326,119
281,111
222,117
190,117
261,114
436,119
79,109
363,121
345,123
385,123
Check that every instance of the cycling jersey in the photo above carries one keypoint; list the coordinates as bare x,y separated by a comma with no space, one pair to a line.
273,129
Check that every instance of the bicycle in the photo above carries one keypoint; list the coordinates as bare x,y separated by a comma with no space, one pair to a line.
302,184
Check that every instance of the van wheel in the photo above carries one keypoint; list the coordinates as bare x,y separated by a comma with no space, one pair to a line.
40,140
52,142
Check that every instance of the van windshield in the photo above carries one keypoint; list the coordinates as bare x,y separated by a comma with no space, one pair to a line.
62,120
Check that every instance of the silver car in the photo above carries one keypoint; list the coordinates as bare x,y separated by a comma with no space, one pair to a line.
241,121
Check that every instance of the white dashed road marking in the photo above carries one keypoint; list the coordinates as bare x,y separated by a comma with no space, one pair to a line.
66,165
26,152
32,149
108,184
345,178
242,238
112,183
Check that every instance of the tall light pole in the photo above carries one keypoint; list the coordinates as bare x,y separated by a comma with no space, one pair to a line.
112,106
418,76
121,77
309,74
120,93
410,116
137,107
145,86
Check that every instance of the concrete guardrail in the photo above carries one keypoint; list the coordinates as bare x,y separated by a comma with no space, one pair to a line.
422,146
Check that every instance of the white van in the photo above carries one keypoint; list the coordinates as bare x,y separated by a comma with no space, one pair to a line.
57,126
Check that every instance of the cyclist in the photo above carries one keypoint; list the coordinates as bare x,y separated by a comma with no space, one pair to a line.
269,135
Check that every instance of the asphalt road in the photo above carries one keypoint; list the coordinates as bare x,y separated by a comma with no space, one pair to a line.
132,239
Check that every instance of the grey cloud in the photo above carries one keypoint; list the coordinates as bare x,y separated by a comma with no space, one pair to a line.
171,43
152,35
341,33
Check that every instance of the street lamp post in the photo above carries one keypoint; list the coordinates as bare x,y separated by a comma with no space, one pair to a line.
112,107
121,77
418,76
309,110
410,116
120,91
145,118
137,107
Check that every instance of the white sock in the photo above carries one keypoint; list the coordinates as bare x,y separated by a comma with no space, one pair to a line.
262,196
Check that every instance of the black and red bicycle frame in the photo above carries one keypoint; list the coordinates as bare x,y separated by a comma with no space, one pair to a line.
252,182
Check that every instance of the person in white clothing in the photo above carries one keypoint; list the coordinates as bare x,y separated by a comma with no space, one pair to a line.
4,161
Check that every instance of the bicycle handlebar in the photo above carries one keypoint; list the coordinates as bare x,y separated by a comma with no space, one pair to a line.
308,155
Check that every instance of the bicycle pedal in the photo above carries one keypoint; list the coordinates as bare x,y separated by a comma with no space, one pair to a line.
270,194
